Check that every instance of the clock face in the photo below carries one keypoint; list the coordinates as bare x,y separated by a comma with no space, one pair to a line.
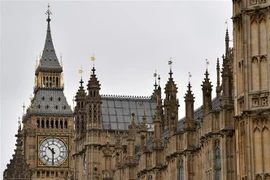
52,151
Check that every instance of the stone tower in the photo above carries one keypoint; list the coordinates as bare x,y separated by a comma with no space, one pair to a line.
88,143
48,122
252,84
171,104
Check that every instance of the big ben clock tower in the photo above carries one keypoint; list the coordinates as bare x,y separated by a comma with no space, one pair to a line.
48,122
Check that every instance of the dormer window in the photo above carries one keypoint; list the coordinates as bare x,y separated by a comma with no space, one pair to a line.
64,107
59,99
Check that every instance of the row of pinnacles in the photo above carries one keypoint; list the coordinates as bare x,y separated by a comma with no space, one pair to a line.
191,147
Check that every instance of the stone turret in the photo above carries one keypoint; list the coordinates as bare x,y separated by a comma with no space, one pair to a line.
171,104
189,123
207,94
79,111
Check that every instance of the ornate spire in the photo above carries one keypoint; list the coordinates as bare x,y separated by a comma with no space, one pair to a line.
155,76
226,75
157,89
81,94
49,61
207,93
170,63
171,103
189,96
189,100
93,83
170,86
227,39
218,88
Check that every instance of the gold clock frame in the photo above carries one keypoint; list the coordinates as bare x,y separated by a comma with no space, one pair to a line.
64,139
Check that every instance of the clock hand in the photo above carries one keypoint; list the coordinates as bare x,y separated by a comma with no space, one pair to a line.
52,150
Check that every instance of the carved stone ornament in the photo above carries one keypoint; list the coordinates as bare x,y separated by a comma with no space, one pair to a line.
253,2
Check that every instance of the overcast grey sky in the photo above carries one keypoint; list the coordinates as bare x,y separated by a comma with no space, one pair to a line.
130,41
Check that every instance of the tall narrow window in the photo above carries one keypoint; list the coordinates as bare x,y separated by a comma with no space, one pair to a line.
181,170
217,160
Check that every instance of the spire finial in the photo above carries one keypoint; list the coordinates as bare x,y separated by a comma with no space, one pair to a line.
189,76
155,76
81,71
48,13
170,63
207,64
81,81
159,80
93,59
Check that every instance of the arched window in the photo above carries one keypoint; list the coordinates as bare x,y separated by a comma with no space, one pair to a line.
56,123
61,124
52,123
66,124
149,177
42,123
217,160
47,123
181,170
38,174
38,123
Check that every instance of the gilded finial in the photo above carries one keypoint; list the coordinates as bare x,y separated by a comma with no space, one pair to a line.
207,64
93,59
170,64
189,76
155,76
81,71
48,13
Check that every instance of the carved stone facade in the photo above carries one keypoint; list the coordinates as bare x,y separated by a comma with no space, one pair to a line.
128,138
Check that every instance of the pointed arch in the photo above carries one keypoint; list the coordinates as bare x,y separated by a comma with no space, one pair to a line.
217,160
266,148
263,72
257,143
254,35
180,173
255,73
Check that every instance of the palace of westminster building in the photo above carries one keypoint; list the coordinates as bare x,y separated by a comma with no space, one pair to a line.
142,138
